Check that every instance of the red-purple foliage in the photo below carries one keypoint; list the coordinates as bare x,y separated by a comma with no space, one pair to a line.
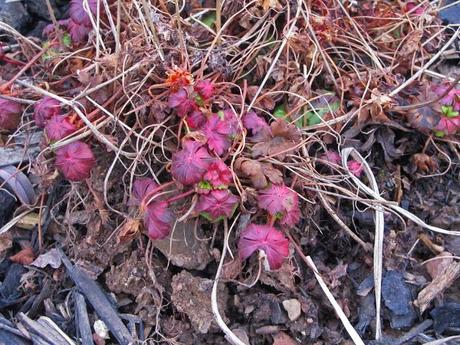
280,202
448,125
205,88
355,167
196,119
191,163
218,174
78,32
332,157
78,14
58,128
75,161
259,128
419,11
217,204
158,220
10,114
142,187
181,102
266,238
220,129
452,98
45,109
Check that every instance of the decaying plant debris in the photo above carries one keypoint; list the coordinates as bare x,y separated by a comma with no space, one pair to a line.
263,172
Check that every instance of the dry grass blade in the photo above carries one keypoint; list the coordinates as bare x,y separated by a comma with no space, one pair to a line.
442,341
231,337
378,241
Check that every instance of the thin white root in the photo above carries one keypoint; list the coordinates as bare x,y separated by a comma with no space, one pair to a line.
231,337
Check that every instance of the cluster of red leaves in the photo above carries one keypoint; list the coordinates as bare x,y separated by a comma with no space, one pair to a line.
79,24
198,168
10,114
449,122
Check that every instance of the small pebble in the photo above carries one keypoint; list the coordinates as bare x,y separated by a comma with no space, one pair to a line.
293,308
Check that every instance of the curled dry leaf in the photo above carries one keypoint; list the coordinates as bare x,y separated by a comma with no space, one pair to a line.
284,138
258,172
24,257
438,265
18,183
423,163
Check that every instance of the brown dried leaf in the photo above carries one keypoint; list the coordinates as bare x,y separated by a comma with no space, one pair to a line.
282,338
129,231
284,138
439,265
253,170
437,286
412,43
423,163
24,257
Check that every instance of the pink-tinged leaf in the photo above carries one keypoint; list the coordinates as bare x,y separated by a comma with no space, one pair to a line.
205,88
142,187
79,15
280,202
266,238
45,109
230,122
331,157
181,102
259,128
78,32
452,98
218,174
196,119
218,133
191,163
448,125
75,161
217,204
419,11
355,167
58,128
10,114
158,220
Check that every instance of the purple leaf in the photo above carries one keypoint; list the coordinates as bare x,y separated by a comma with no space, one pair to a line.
259,128
142,187
18,183
75,161
79,15
205,88
280,202
196,119
218,174
191,163
45,109
158,220
217,204
58,128
78,32
266,238
10,114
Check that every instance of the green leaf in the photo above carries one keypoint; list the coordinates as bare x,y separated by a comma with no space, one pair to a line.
66,39
439,134
209,20
280,112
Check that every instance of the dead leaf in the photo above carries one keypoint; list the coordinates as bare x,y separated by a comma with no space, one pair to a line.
258,172
438,265
437,286
284,138
412,43
423,163
52,258
338,272
282,338
24,257
129,230
6,242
